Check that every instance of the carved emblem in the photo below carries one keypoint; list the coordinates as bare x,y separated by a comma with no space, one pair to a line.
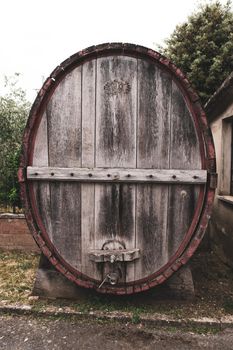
116,87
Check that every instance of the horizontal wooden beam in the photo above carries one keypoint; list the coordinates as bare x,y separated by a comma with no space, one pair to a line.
100,255
117,175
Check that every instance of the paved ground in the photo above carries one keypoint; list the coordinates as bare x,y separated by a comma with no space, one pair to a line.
31,333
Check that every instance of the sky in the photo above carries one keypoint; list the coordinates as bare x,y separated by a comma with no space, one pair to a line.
36,36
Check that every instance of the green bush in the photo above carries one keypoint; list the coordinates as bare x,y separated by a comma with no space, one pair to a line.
203,47
14,109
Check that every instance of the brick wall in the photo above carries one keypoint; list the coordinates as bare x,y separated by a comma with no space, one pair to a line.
14,233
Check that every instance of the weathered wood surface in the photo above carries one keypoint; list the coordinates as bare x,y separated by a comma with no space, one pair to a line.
154,104
64,146
88,267
118,175
111,117
184,153
116,113
42,190
100,255
226,157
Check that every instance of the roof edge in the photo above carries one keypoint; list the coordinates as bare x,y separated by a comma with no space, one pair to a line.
219,101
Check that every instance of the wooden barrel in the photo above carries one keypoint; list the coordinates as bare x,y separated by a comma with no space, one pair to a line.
118,169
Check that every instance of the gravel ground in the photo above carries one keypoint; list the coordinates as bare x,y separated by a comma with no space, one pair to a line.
27,333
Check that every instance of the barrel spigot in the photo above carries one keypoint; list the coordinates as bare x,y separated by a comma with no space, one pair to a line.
111,278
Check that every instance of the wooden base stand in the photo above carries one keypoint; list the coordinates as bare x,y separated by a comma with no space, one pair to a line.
49,283
179,285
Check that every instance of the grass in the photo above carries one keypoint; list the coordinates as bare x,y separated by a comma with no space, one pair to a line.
16,276
136,316
213,284
228,306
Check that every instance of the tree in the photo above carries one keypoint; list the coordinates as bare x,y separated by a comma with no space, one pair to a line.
203,47
13,115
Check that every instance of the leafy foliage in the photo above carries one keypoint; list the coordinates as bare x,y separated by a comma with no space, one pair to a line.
13,114
203,47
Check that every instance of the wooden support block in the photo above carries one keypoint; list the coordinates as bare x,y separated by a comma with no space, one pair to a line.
50,283
179,285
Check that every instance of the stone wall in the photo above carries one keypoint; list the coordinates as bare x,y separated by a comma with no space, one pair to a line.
14,233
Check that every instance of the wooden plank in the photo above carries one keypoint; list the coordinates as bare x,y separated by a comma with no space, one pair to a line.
116,106
114,208
231,185
182,203
100,255
64,132
116,110
66,221
185,154
225,156
88,159
41,189
151,228
88,114
154,104
40,154
64,121
118,175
